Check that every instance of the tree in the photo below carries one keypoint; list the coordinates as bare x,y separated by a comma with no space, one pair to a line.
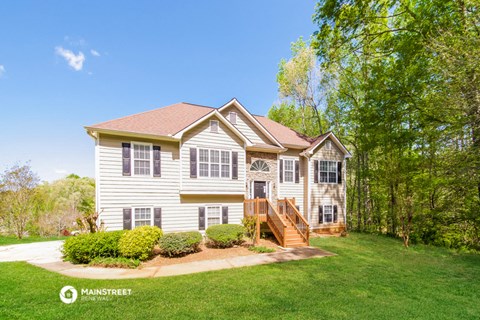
18,185
301,89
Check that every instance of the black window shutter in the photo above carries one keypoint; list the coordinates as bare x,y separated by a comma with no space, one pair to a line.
235,165
298,208
315,171
297,171
281,171
193,162
157,170
201,218
339,172
127,219
335,214
224,215
126,163
157,217
320,214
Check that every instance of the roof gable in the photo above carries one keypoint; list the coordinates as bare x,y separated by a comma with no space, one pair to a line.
252,119
311,150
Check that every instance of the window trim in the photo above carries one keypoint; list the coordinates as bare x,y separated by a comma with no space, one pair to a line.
214,205
323,213
328,179
142,207
220,163
211,127
132,158
285,169
230,117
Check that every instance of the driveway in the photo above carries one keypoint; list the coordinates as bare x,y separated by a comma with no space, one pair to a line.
37,252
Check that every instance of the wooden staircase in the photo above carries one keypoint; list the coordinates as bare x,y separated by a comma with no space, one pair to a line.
286,223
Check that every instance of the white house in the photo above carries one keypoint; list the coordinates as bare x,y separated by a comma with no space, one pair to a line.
187,167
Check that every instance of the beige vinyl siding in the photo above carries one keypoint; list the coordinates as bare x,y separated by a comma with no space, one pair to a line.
246,126
292,189
327,193
225,139
117,192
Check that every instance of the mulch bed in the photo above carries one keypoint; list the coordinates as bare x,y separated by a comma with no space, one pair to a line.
208,253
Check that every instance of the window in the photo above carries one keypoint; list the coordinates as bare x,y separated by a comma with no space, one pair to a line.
327,214
213,215
214,163
142,159
259,165
288,170
142,217
225,164
213,126
328,145
328,171
233,117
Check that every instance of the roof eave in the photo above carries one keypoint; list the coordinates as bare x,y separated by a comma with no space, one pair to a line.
91,131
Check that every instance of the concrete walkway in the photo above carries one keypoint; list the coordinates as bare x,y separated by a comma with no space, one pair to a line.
79,271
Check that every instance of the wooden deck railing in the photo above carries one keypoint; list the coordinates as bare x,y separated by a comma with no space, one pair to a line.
264,211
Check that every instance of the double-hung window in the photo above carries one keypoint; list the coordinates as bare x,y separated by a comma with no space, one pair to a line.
327,214
288,170
214,163
142,217
328,171
142,159
214,216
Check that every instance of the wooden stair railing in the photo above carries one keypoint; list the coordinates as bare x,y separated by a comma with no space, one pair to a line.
297,220
276,224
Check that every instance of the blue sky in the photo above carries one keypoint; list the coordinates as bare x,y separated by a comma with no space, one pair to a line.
66,64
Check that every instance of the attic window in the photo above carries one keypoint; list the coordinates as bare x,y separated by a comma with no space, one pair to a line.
233,117
328,145
213,126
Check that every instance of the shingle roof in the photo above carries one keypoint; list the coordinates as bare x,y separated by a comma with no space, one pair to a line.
163,121
173,118
283,134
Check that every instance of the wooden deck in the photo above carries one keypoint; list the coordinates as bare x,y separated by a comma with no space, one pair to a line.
285,221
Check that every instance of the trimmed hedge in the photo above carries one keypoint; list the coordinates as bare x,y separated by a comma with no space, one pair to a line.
180,243
139,242
225,235
86,247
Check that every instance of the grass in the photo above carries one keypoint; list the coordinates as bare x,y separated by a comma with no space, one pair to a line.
6,240
261,249
119,262
372,277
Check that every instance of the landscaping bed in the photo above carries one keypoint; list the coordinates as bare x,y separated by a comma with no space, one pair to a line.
209,253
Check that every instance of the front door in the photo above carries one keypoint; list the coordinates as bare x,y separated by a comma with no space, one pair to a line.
260,189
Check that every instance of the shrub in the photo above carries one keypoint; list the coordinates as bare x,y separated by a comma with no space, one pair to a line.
261,249
181,243
225,235
139,242
86,247
118,262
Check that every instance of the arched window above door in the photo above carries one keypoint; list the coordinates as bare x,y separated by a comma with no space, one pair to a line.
260,165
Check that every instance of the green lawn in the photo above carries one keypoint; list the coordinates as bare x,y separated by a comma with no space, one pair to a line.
372,277
14,240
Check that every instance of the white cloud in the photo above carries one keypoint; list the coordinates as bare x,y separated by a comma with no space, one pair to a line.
95,53
2,70
60,171
74,60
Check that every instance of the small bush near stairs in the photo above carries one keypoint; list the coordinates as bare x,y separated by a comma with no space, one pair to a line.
225,235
